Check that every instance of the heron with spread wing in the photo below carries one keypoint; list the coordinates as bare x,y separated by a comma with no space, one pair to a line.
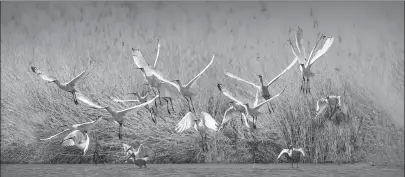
263,89
305,62
119,115
78,136
202,125
68,86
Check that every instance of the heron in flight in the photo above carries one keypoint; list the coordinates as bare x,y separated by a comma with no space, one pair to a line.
334,102
305,62
263,89
78,136
141,99
252,111
119,115
185,90
150,79
67,86
139,157
202,125
292,154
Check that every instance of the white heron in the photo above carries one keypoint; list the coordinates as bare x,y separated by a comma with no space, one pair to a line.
305,62
185,90
263,89
67,86
331,101
292,154
202,125
252,111
78,136
141,99
140,62
139,157
234,110
162,87
119,115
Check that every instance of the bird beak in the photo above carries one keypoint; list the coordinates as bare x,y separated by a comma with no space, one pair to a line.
138,68
219,87
131,93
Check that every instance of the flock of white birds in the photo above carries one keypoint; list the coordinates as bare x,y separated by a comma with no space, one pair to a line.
167,89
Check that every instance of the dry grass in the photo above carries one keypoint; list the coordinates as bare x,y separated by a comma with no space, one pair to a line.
59,38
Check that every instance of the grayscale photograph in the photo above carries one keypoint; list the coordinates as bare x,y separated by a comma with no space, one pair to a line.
202,88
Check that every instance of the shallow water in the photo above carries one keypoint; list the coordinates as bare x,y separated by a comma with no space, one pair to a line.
199,170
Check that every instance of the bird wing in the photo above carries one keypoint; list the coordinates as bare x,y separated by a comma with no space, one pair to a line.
123,112
286,69
54,135
282,152
74,80
140,153
240,79
72,138
84,99
202,71
248,122
43,75
312,51
264,102
157,53
127,149
209,121
342,105
140,61
163,79
296,53
186,122
123,101
87,126
228,115
229,94
299,150
257,97
143,158
299,41
321,105
325,44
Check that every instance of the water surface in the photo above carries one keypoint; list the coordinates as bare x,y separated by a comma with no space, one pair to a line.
68,170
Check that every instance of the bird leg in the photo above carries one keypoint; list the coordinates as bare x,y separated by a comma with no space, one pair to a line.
160,101
202,141
192,103
94,158
254,122
302,84
74,98
292,164
308,86
170,99
98,155
269,108
188,103
151,115
241,119
167,105
119,131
